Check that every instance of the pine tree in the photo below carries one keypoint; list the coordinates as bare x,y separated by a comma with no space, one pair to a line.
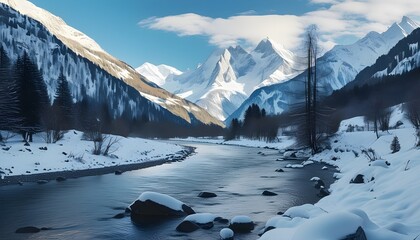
9,104
395,145
33,96
63,104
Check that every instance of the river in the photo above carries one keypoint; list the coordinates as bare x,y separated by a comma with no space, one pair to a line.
83,208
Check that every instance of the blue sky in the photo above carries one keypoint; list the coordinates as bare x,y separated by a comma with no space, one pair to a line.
182,33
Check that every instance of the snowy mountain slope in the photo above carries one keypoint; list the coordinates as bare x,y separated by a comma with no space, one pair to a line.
157,74
54,35
402,58
229,76
335,69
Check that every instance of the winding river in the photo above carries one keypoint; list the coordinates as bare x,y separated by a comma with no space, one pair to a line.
83,208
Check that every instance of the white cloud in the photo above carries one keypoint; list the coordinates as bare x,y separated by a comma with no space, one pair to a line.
340,18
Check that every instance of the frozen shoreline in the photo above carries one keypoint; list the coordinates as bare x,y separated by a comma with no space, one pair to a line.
72,157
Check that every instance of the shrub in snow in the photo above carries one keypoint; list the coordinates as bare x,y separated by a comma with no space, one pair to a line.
350,128
395,145
157,205
241,224
370,154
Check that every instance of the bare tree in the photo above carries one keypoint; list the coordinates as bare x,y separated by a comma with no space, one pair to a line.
412,112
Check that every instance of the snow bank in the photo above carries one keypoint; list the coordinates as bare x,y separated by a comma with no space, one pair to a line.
386,206
73,153
282,142
226,233
240,219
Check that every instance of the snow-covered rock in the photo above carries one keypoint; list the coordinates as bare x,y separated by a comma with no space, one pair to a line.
153,204
226,234
241,224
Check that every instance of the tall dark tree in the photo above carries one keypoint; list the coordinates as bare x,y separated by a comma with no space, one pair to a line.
9,102
33,96
63,104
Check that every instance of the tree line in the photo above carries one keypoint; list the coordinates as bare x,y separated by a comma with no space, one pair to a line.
26,108
256,125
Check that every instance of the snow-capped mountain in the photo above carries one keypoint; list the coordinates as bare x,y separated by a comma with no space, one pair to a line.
335,69
229,76
402,58
90,70
157,74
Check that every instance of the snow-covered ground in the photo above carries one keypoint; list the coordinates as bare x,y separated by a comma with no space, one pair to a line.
386,205
73,153
283,142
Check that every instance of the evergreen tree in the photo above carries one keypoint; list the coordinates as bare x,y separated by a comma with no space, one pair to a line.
9,103
33,96
395,145
63,104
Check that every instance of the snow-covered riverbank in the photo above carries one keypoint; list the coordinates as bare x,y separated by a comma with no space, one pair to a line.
384,201
73,154
282,142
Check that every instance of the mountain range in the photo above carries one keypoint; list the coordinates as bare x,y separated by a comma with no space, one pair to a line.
335,69
90,70
229,76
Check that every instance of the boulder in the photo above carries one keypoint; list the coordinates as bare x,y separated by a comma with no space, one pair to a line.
268,193
279,170
187,227
226,234
241,224
207,195
157,205
358,235
28,230
323,193
358,179
319,184
118,172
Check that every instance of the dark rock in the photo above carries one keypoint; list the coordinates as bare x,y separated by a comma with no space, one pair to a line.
127,210
323,193
358,235
207,195
358,179
242,227
279,170
319,184
149,208
60,179
187,227
28,149
119,216
6,148
64,153
43,148
118,172
28,230
66,160
221,220
42,181
268,193
28,171
26,144
372,179
206,226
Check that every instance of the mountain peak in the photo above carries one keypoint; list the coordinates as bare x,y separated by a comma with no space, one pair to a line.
408,24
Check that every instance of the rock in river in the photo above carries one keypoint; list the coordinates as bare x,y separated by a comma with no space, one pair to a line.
158,206
207,195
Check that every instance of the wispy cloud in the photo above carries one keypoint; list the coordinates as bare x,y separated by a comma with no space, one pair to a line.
335,19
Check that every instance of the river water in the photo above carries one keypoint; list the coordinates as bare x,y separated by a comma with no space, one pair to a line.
83,208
